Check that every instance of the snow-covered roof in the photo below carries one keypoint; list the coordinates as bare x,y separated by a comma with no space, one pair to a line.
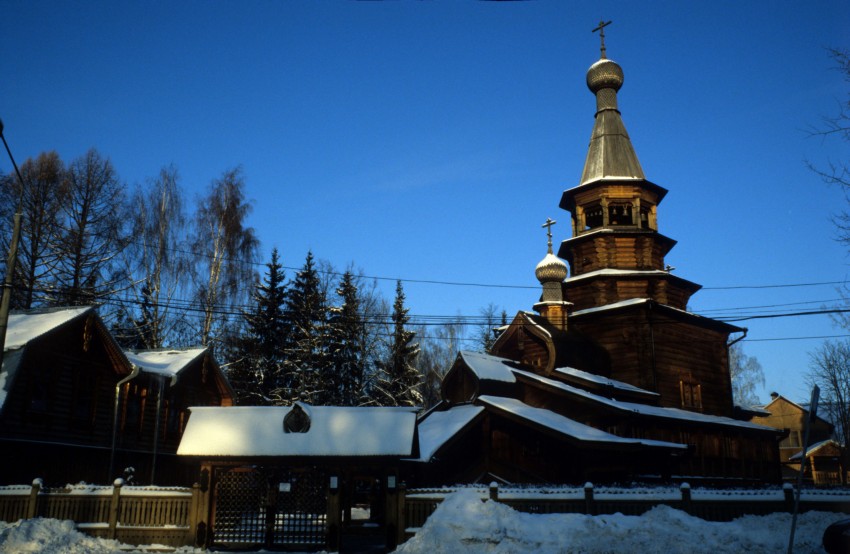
564,425
436,429
812,450
163,362
617,273
644,409
613,306
249,431
487,367
599,379
24,327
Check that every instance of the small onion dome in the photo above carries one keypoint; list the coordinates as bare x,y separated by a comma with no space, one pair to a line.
604,74
551,269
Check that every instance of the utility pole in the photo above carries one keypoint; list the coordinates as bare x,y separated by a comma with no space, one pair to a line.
12,260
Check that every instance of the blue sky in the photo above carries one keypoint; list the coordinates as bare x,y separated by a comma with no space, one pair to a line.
430,140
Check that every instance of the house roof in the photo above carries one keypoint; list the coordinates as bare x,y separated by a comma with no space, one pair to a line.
437,428
26,326
164,362
663,308
641,409
584,376
487,367
566,426
813,449
258,431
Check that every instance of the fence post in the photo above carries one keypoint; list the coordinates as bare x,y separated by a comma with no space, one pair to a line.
113,507
202,513
685,489
32,505
588,499
391,513
788,491
494,491
193,514
400,519
334,512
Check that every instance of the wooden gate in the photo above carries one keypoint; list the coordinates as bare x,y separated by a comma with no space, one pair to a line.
269,507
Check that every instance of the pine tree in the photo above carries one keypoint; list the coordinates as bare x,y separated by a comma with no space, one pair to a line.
305,349
400,380
257,373
347,342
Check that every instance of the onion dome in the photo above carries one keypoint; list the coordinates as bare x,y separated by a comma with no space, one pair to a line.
551,269
604,73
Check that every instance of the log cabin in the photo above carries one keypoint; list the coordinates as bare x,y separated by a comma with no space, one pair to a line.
74,406
610,378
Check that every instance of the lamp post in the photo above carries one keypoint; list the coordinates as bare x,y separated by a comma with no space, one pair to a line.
11,261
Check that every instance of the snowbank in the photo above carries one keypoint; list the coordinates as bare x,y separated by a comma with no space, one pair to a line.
51,536
463,523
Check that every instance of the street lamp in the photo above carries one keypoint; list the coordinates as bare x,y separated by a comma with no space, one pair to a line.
11,261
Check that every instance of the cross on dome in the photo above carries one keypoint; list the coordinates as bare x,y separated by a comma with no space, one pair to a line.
548,225
601,29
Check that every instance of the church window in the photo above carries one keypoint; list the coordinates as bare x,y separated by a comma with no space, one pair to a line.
620,214
691,395
593,217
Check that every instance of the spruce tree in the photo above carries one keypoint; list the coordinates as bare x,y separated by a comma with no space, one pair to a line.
305,315
257,374
400,381
347,343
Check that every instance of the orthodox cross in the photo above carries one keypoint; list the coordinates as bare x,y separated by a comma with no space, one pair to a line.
601,29
548,225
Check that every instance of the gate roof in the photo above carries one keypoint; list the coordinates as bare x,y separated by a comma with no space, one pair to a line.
249,431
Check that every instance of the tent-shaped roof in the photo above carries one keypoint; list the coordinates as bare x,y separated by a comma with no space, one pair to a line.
258,431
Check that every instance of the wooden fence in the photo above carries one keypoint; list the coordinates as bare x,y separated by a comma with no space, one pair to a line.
175,516
708,504
132,515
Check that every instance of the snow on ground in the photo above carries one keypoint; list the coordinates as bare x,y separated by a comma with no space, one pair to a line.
463,523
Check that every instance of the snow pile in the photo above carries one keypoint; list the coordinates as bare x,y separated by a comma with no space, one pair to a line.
463,523
51,536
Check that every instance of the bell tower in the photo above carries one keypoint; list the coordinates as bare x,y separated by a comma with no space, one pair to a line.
616,252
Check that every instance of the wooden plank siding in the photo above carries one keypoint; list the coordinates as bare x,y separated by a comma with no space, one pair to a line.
656,352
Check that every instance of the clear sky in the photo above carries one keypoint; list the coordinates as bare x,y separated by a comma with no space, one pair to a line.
430,140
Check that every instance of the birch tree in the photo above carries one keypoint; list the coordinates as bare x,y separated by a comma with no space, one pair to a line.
157,260
226,249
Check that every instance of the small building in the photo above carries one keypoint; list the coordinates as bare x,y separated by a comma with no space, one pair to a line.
790,417
298,476
74,407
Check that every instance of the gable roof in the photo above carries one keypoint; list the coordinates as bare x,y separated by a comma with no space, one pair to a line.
258,431
437,428
169,362
26,328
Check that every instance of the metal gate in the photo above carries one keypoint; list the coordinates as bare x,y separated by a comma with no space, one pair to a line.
269,507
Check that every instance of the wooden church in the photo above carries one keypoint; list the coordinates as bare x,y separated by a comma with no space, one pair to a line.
610,378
